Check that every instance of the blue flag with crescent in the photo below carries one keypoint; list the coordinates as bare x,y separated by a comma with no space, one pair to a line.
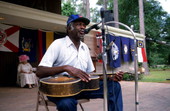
125,49
114,52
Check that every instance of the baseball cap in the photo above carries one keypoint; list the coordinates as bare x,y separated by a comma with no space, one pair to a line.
77,17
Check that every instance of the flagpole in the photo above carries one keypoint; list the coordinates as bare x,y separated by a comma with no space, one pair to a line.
135,62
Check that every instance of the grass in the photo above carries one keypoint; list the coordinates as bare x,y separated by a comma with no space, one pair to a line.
157,76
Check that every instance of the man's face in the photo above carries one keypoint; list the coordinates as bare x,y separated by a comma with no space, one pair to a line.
78,30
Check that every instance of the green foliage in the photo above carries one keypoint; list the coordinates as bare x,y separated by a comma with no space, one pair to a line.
129,13
73,7
154,18
127,77
68,9
95,15
131,77
81,9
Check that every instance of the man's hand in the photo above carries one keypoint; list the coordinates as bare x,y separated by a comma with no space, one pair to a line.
118,76
78,73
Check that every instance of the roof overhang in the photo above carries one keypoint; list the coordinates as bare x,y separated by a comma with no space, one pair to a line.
37,19
13,14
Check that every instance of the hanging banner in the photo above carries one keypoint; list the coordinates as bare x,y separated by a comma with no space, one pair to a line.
49,38
132,49
125,48
44,41
99,46
141,51
114,51
27,43
9,38
41,44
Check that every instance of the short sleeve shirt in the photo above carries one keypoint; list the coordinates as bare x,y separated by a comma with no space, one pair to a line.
63,52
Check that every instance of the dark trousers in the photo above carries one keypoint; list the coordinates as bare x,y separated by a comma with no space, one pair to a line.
115,102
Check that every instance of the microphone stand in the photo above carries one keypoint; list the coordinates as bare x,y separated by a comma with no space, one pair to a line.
104,58
135,62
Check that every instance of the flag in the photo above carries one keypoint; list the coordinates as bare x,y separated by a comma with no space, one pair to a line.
41,44
125,48
99,46
49,38
27,43
132,49
9,38
114,51
44,41
100,50
141,51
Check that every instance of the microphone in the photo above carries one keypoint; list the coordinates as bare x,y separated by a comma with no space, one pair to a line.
95,26
102,13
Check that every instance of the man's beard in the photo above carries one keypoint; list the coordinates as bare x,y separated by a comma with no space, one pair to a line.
81,34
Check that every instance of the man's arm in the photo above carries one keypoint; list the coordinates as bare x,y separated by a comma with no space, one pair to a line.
43,71
118,76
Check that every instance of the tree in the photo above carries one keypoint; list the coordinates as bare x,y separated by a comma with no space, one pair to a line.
116,14
142,31
95,15
156,20
68,9
87,8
